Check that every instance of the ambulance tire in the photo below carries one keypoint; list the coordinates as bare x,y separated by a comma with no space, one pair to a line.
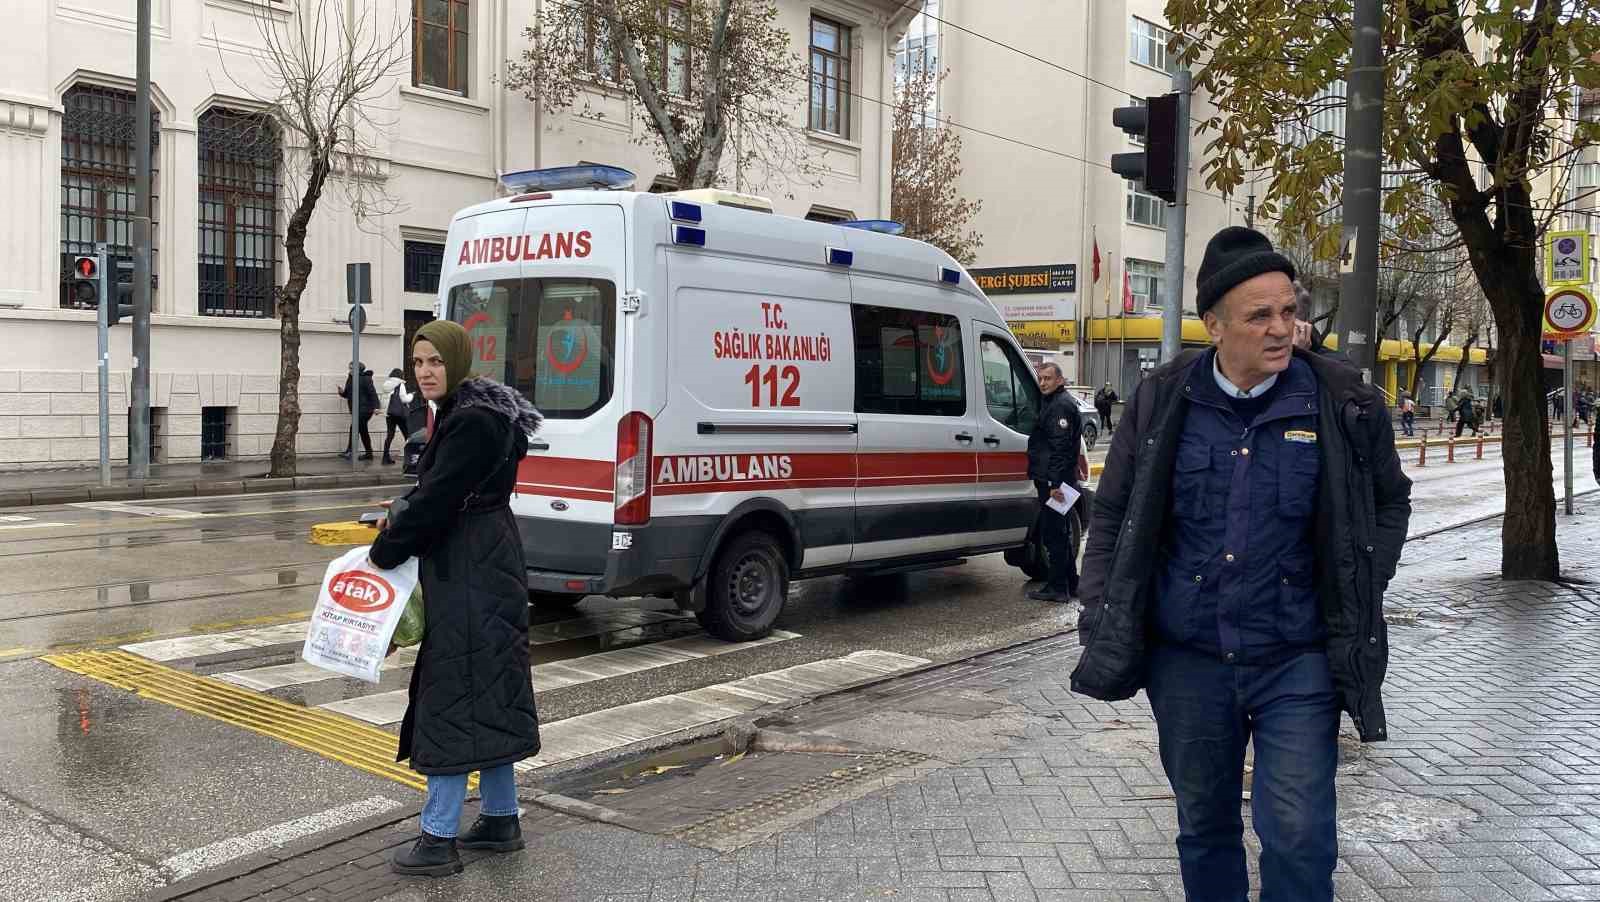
553,601
746,588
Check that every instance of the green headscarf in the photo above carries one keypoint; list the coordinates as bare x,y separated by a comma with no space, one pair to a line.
454,346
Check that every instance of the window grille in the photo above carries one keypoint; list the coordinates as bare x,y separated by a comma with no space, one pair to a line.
238,213
97,196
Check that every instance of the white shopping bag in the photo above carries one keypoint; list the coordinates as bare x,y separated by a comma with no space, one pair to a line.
358,608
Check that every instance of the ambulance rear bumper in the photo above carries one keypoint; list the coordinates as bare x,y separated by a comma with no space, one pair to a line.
660,557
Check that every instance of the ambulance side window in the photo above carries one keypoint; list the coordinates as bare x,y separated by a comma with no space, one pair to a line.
1009,389
908,362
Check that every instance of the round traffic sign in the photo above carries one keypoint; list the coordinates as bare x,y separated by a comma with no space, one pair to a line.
1569,311
358,318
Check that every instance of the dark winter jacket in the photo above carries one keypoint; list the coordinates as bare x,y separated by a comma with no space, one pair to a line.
1105,399
1053,446
1363,503
369,393
471,701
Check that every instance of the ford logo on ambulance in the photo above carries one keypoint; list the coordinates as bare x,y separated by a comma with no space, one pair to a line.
361,592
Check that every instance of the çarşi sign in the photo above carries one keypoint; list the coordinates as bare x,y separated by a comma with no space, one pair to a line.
1043,278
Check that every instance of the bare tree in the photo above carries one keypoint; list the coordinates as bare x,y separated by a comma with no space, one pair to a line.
698,75
925,192
324,68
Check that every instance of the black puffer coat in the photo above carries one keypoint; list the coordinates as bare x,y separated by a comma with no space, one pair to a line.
1363,503
471,690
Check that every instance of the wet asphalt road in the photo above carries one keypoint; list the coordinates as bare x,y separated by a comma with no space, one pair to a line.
112,793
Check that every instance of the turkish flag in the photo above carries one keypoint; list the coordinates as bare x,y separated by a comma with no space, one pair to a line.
1127,293
1096,279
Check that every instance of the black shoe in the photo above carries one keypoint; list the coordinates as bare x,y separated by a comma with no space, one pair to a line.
1045,593
497,833
344,455
367,456
429,856
388,461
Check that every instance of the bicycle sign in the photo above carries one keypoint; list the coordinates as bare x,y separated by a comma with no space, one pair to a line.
1568,313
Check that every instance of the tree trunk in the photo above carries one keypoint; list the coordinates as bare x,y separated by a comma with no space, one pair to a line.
294,243
1528,537
1466,356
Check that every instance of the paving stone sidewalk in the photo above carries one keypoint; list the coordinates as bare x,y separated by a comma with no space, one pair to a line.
1488,790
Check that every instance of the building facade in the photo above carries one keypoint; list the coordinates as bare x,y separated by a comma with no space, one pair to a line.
443,129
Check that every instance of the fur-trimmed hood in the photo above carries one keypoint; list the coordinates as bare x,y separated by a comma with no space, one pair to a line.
488,394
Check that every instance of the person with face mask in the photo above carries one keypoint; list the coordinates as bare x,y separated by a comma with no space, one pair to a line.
471,705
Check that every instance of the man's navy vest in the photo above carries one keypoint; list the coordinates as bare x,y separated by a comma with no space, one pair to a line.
1237,574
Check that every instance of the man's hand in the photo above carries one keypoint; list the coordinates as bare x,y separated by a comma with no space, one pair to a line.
1302,334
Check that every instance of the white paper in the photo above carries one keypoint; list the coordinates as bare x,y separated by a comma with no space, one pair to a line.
1061,507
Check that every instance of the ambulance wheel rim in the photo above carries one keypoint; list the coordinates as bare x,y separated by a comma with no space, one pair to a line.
750,582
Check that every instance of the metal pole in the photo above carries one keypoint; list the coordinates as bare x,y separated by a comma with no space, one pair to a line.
103,358
1567,407
1363,162
139,431
355,383
1177,231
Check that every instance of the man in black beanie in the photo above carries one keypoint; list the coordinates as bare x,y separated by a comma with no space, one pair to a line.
1267,477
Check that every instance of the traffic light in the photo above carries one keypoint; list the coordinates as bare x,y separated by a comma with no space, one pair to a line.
1157,164
86,282
121,294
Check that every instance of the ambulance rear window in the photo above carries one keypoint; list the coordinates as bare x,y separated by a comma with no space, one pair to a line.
552,339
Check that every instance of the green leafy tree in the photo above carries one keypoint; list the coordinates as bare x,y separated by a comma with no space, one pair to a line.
1478,115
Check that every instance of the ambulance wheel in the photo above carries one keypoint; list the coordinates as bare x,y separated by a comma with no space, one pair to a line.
553,601
746,588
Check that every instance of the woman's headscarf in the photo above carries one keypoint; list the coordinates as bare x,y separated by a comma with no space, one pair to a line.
454,347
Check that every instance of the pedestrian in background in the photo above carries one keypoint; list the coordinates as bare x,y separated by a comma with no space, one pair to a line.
470,703
1104,401
1408,414
367,397
1250,513
1052,462
1466,413
394,388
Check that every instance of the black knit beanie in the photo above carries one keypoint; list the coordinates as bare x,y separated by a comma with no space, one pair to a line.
1234,255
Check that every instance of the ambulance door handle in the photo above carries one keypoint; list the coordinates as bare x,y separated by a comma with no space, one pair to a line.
991,440
964,437
538,445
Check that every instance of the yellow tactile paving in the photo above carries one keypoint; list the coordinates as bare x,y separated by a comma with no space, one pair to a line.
329,735
346,533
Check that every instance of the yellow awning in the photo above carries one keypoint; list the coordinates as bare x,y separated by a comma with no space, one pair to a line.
1148,328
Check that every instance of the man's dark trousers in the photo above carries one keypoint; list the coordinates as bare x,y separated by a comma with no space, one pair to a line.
1205,712
1055,531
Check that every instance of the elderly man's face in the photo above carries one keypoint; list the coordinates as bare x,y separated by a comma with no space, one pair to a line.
1253,328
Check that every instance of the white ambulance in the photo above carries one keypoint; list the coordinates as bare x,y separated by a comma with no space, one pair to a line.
734,399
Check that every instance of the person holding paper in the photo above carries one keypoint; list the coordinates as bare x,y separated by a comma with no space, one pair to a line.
1251,512
1053,467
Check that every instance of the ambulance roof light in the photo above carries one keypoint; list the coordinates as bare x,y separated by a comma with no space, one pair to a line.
567,178
722,198
883,226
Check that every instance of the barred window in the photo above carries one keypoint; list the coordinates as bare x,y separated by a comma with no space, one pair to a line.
97,197
238,213
424,259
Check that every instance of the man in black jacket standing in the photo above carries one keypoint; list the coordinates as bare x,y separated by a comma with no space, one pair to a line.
1251,512
1052,462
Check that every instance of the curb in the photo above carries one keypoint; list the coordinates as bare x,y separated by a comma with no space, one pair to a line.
190,489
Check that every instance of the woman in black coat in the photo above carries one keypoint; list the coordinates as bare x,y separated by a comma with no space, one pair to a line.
471,698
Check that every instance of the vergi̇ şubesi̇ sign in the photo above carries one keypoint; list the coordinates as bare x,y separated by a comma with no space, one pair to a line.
1027,279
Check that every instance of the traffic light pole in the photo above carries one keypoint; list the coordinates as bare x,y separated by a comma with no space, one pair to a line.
139,431
103,358
1177,225
1363,165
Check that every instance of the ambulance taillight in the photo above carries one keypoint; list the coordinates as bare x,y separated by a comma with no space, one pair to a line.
633,470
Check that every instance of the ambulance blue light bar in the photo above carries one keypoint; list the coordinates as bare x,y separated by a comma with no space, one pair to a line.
838,256
683,212
689,235
884,226
949,276
568,178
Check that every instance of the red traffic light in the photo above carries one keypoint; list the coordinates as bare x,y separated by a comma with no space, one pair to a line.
85,267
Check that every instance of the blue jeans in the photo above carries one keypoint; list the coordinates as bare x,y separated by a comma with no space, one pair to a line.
441,815
1205,712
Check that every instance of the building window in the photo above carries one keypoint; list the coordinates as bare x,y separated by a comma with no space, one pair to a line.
908,362
830,77
1146,209
214,433
423,262
828,214
1137,140
439,44
97,197
600,55
1586,175
1148,45
1144,282
238,182
674,51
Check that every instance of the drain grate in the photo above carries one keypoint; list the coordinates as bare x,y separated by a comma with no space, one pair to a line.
715,831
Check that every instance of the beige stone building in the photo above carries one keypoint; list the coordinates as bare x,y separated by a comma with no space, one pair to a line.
223,193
